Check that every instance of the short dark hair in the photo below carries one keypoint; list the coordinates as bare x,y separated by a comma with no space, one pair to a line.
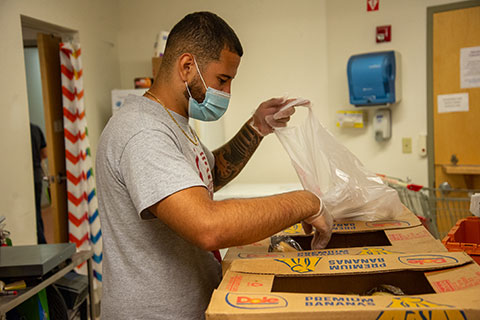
203,34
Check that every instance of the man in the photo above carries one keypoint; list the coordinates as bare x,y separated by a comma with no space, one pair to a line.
39,153
156,182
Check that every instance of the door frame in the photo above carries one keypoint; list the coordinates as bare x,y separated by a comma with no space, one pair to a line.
430,99
30,28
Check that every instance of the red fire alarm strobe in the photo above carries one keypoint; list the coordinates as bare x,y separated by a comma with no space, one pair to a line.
384,34
372,5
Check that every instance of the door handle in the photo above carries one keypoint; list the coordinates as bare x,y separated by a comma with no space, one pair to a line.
59,178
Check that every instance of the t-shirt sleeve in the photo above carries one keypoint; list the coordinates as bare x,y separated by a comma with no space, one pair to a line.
153,167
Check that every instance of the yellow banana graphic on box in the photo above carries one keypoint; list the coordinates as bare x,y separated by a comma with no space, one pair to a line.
300,265
375,251
414,302
295,229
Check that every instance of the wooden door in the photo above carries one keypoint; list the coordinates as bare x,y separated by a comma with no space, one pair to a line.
457,133
49,56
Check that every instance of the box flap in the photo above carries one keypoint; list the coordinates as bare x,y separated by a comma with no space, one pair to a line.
279,306
415,239
433,246
406,220
247,282
455,279
350,263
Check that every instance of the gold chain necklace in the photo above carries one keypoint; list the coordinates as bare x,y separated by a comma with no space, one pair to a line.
194,140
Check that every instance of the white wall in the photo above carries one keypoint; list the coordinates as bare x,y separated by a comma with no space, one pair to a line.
295,47
351,30
285,52
97,24
302,48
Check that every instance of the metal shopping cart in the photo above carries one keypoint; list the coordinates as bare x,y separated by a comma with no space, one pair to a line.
439,209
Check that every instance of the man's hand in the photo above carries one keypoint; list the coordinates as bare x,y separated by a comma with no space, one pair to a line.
323,224
267,116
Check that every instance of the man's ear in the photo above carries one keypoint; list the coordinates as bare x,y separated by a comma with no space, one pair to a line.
186,66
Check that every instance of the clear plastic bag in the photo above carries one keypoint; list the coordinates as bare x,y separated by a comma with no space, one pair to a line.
330,170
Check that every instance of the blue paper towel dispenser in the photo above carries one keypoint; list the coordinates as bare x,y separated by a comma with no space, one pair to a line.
374,78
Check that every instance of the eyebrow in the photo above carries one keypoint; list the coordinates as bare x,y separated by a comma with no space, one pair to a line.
226,76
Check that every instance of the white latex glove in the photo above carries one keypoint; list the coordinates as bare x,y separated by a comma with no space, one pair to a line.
323,224
274,113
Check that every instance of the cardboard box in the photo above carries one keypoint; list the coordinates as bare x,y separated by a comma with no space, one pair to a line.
350,238
443,285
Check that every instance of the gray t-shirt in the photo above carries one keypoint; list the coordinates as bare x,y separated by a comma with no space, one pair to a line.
149,271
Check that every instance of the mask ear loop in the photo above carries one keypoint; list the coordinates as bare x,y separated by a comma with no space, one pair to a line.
198,69
186,86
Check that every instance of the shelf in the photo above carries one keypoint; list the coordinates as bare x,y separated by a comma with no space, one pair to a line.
462,169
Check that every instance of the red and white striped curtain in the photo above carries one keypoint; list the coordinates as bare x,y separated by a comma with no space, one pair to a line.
83,221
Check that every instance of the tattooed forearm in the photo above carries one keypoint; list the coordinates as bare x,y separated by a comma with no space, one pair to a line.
234,155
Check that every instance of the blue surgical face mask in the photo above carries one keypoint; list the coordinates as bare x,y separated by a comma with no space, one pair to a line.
213,106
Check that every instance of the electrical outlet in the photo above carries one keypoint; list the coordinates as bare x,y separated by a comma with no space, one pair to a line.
407,145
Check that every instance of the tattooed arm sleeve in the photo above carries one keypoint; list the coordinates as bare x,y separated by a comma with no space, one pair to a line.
234,155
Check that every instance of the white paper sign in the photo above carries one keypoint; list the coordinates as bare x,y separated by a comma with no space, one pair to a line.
452,102
470,67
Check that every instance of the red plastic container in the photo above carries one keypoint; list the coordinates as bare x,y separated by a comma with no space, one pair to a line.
465,236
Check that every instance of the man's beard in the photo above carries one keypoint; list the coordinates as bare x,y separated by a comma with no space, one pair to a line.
196,90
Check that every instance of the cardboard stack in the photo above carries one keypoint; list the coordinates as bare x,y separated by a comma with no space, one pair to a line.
436,286
405,234
336,283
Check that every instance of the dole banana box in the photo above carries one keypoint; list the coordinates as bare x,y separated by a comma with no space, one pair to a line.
435,286
405,234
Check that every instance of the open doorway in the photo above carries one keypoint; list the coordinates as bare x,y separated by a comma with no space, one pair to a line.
37,131
41,49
